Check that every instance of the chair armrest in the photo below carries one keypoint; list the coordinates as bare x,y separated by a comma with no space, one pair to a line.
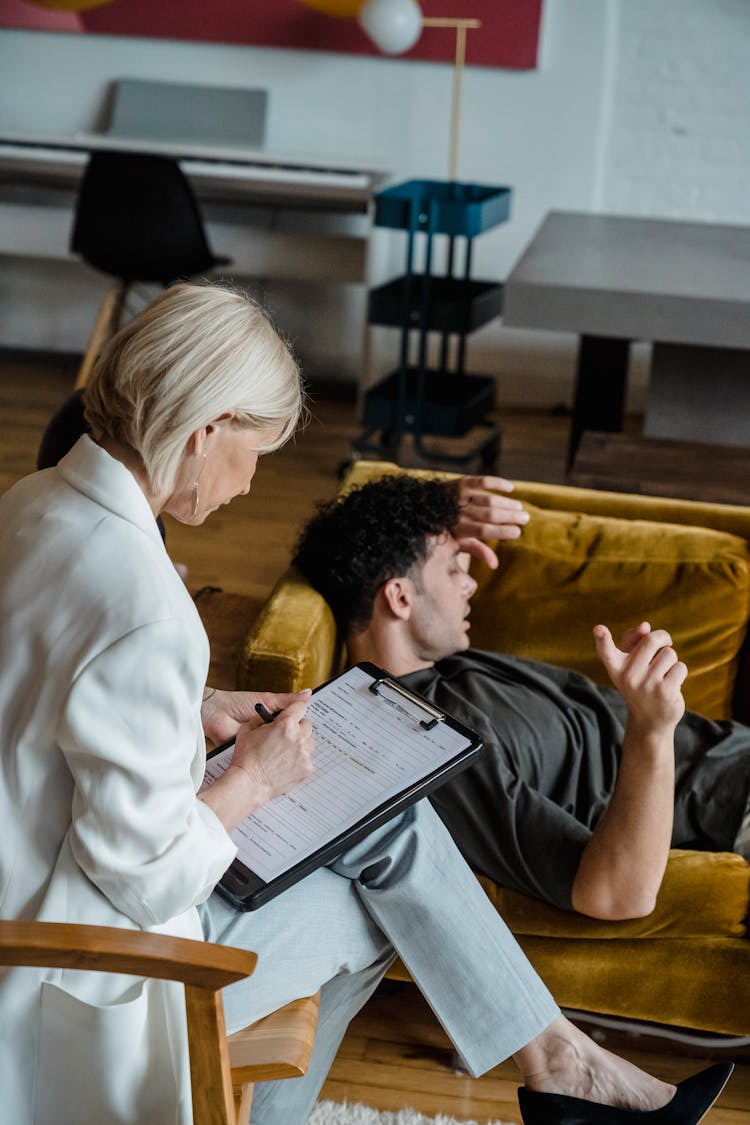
277,1046
197,964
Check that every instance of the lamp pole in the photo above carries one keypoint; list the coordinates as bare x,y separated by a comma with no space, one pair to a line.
461,26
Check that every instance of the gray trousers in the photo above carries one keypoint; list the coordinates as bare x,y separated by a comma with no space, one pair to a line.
404,889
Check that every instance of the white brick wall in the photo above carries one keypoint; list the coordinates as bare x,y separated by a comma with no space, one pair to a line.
679,136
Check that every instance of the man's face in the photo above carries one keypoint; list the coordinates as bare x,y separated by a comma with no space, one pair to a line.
442,589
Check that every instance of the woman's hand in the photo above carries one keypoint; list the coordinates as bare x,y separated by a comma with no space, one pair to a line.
278,755
223,712
268,760
487,515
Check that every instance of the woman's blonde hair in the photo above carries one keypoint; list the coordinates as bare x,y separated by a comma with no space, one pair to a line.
192,354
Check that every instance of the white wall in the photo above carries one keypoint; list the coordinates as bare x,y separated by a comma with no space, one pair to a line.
679,142
636,107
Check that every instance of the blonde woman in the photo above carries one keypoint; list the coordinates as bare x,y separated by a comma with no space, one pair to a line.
103,711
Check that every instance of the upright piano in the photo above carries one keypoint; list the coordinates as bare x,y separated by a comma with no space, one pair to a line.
281,218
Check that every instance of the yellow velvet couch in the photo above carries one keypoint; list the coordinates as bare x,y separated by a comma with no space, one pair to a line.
584,557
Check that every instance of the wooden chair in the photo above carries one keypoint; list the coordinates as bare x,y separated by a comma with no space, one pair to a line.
108,320
222,1070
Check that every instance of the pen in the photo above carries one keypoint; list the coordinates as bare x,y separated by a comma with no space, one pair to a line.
265,714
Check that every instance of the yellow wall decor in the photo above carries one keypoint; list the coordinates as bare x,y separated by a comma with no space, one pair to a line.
341,9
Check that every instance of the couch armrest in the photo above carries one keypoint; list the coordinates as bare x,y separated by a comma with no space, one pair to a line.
293,644
703,894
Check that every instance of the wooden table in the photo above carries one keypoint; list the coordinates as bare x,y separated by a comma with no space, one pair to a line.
614,279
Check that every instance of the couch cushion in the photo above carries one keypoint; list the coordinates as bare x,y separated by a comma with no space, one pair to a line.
570,571
703,894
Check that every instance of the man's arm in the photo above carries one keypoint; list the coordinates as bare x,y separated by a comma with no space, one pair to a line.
623,863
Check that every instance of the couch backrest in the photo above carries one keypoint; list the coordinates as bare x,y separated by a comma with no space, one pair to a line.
570,571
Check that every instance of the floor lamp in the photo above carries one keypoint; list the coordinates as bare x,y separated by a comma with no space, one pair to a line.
394,26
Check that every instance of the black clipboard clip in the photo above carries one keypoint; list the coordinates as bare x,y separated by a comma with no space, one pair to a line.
436,716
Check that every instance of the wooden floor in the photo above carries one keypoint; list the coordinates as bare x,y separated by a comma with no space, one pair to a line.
395,1053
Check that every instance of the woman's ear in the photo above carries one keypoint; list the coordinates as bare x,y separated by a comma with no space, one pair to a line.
196,443
398,596
218,423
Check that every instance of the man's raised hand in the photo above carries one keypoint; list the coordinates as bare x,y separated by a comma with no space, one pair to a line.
647,672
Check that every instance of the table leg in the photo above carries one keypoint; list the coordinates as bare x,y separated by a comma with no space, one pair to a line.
600,387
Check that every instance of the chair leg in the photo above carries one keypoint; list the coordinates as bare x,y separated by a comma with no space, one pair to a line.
105,325
210,1075
243,1101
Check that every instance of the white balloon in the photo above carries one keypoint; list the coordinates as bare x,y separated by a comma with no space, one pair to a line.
393,25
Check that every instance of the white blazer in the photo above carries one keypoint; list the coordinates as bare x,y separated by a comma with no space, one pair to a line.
103,660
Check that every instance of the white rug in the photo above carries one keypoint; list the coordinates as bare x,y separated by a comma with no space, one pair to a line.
332,1113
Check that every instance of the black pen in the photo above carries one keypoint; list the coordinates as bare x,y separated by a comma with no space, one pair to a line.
265,714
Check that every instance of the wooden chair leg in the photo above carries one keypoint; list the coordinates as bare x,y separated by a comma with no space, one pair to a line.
213,1100
107,322
243,1102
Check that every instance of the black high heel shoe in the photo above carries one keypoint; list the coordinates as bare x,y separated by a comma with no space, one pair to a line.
692,1100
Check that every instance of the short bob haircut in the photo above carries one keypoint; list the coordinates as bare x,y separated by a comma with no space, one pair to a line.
192,354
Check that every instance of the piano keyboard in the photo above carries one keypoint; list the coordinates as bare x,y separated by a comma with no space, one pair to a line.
63,164
282,174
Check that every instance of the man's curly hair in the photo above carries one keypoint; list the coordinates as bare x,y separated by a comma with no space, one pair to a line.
357,542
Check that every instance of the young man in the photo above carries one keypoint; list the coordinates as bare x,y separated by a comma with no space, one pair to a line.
581,790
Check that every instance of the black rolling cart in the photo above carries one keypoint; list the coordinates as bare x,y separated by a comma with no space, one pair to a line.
440,401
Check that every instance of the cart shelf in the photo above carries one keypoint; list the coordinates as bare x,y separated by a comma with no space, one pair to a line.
442,207
441,304
450,404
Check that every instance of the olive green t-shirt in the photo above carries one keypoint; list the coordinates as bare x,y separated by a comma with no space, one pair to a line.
523,813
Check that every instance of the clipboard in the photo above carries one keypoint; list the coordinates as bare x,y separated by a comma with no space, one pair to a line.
379,749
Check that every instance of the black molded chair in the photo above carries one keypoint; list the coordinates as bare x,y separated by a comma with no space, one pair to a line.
62,431
138,220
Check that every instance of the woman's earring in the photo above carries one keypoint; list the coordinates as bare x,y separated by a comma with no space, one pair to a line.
196,492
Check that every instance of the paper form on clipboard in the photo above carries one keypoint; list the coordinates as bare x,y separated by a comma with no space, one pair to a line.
378,748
